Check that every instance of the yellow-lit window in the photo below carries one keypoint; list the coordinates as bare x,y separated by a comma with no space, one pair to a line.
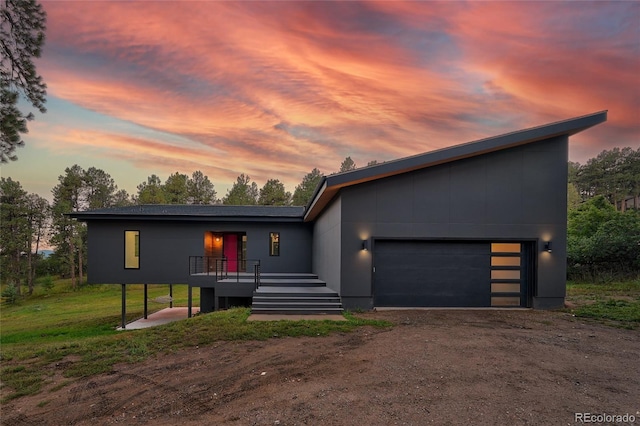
132,249
505,261
505,247
274,244
505,287
505,301
497,274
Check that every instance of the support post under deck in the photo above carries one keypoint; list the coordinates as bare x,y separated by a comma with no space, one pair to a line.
124,306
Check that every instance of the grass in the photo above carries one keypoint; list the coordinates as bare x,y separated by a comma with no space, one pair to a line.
75,331
616,304
93,310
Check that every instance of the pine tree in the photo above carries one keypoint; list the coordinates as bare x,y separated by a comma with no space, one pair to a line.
67,233
175,189
273,193
151,192
242,193
303,192
347,165
200,189
13,227
22,26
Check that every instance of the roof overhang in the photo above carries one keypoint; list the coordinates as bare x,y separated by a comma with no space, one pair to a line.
194,213
329,187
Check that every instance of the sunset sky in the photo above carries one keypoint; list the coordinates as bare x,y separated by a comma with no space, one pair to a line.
274,89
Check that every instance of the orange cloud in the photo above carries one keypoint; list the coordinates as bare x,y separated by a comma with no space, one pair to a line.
274,89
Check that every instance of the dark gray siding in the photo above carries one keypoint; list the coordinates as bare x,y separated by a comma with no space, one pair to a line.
515,194
326,245
165,247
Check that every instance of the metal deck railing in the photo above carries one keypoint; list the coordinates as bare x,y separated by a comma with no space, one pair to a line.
219,268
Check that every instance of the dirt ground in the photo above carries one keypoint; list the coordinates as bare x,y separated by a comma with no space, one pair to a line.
432,367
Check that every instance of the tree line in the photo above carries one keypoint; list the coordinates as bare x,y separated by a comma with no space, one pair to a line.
614,174
603,241
28,220
603,234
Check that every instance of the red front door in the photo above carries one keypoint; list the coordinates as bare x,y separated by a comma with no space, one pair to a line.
231,251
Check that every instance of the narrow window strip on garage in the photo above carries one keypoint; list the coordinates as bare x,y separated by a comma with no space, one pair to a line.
506,274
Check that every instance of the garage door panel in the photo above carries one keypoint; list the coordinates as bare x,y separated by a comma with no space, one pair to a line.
432,274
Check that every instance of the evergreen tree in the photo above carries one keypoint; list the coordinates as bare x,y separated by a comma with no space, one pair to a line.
38,212
14,228
303,192
151,192
573,196
22,26
67,233
273,193
121,198
242,193
99,189
23,221
200,189
175,189
347,165
613,173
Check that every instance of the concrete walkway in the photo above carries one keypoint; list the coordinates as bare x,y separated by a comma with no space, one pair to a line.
163,316
168,315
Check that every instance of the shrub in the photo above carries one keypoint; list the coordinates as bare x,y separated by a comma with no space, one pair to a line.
10,294
47,283
603,243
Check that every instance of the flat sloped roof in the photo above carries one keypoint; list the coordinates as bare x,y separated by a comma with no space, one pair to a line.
218,212
329,186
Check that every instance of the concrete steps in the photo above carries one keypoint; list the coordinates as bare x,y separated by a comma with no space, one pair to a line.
291,282
297,294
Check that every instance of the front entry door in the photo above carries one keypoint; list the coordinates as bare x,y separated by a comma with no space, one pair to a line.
231,251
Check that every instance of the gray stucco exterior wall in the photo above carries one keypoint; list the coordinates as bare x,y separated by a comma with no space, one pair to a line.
165,247
513,194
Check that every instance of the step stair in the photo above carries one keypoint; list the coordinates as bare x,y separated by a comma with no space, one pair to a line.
295,294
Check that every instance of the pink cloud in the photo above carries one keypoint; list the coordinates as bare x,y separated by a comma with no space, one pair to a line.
558,67
281,88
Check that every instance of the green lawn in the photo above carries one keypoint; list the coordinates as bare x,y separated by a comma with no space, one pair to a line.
92,310
80,325
616,304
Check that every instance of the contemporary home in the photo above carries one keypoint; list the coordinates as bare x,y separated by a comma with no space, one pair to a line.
481,224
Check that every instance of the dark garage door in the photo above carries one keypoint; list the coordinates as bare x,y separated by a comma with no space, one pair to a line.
432,274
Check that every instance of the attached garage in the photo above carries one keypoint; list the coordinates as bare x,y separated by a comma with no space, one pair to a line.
471,225
422,273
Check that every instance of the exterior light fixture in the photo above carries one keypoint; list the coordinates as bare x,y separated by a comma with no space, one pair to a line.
547,246
365,245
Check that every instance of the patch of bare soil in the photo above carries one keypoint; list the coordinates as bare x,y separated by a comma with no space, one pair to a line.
440,367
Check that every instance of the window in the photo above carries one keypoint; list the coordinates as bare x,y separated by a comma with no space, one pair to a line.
274,244
132,249
506,274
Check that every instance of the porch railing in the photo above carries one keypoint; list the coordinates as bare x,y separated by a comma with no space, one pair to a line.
219,267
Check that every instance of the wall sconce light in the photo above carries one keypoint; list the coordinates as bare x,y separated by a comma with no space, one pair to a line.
217,239
365,245
547,246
